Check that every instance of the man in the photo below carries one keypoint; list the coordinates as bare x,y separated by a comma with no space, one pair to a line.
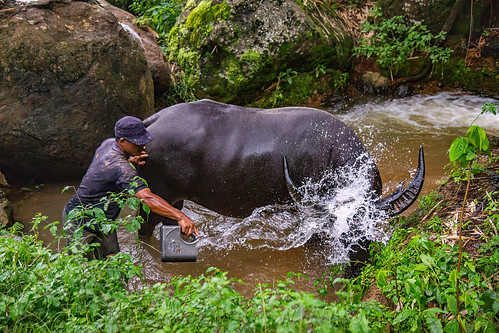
112,170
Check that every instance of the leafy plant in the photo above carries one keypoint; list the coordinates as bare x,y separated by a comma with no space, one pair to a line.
465,150
340,82
392,42
91,217
287,76
320,70
430,201
157,14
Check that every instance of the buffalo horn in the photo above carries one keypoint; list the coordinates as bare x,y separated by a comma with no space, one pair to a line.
293,190
402,198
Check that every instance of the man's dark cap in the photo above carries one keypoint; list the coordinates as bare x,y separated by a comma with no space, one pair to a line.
132,129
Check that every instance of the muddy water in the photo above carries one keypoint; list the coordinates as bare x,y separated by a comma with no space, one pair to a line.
268,245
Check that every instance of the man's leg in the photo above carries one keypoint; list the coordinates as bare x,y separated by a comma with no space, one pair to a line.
109,245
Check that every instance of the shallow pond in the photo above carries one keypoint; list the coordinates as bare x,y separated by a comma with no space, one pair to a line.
269,244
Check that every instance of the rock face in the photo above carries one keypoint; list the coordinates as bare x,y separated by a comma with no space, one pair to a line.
147,41
68,71
6,210
232,50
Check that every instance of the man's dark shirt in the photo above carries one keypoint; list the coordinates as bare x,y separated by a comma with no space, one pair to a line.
109,171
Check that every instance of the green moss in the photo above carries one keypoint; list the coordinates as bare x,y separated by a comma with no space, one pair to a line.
480,80
253,59
303,86
285,49
185,40
201,20
190,4
235,75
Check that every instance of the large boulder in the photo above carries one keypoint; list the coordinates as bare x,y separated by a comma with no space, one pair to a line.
68,71
233,50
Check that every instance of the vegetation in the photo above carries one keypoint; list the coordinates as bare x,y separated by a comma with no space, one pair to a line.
393,43
480,79
206,68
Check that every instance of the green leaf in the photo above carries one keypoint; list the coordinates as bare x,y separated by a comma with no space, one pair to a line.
434,323
458,148
434,311
406,313
451,304
420,267
478,138
452,326
463,161
381,280
359,324
490,107
427,260
470,155
67,188
53,230
483,324
146,208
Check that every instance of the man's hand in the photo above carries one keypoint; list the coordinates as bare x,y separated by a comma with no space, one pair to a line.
139,159
188,227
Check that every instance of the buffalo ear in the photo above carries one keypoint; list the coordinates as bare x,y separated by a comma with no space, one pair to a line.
293,190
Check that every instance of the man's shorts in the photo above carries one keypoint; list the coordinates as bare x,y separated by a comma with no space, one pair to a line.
108,242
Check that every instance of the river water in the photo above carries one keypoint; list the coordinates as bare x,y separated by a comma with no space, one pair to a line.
272,242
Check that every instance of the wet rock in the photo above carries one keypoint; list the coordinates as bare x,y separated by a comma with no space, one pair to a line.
233,50
374,81
6,209
68,71
404,90
147,41
491,47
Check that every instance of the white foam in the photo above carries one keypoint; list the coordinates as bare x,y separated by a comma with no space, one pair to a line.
340,216
132,33
425,113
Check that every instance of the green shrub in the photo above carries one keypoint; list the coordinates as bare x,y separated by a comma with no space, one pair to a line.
392,42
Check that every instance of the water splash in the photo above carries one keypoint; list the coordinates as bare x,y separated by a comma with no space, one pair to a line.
132,33
338,210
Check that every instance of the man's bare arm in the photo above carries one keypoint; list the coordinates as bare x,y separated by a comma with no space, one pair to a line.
161,207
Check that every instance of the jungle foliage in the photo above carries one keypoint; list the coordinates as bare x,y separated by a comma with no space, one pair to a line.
393,42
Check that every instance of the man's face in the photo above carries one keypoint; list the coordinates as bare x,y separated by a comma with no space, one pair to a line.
131,148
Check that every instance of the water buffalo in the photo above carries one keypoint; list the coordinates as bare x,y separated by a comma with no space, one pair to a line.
233,159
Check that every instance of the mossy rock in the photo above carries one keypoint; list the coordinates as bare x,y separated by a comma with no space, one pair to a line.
232,51
481,79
